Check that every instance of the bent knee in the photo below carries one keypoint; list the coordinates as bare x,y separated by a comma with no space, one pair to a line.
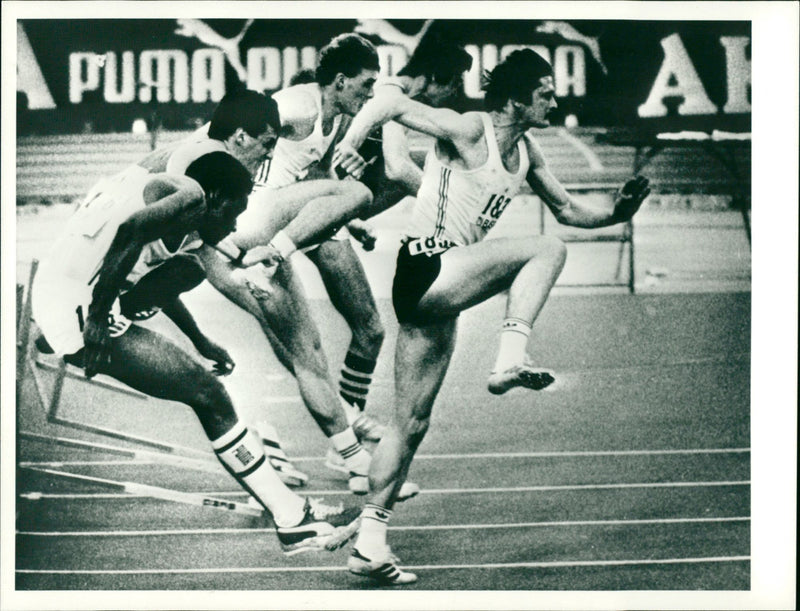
552,249
358,192
206,390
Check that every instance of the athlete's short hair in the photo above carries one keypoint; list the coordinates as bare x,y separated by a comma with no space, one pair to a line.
515,78
221,177
307,75
250,110
348,54
439,57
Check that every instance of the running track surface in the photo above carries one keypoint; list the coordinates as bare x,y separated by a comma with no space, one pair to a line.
632,474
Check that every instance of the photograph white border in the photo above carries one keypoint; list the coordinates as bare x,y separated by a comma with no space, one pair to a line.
774,309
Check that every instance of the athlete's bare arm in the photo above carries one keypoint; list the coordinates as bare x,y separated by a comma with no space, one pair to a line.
569,211
400,167
183,319
174,204
463,131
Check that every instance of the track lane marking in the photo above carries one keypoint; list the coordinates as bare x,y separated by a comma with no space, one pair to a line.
462,456
43,495
419,567
250,531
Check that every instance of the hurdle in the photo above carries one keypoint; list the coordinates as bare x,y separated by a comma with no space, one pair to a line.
155,492
159,453
51,404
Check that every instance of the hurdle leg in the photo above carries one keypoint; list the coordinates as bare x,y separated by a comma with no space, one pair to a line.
156,492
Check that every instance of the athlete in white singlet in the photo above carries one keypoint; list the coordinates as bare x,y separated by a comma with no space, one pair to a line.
478,164
293,159
67,276
133,246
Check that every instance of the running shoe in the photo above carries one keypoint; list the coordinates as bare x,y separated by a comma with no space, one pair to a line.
289,474
524,376
358,483
323,527
384,570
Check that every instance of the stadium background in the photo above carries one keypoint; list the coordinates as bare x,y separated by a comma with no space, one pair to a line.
689,237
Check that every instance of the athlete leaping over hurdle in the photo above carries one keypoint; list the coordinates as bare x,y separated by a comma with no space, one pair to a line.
479,163
132,246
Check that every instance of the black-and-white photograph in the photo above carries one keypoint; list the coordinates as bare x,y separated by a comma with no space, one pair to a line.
370,305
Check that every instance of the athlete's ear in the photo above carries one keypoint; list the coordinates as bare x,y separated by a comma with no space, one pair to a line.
339,80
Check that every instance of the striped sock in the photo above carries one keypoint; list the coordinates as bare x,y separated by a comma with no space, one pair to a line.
242,454
355,378
272,444
356,458
371,539
513,343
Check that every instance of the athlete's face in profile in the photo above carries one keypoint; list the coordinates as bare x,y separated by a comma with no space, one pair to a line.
220,218
542,103
355,91
252,151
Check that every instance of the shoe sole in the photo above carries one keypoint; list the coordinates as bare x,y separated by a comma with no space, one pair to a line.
412,490
337,467
378,577
324,543
538,380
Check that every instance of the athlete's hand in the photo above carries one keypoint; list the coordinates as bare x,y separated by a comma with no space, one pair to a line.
630,197
363,232
268,255
97,346
346,157
223,363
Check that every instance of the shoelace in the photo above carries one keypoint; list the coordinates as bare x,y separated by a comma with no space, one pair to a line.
321,510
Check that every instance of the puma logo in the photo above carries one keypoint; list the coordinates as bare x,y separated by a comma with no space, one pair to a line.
565,30
196,28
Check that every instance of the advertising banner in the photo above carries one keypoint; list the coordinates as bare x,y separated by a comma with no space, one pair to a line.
78,75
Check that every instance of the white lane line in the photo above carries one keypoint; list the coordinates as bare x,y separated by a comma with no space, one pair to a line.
591,157
90,463
565,454
476,455
473,455
510,489
420,567
250,531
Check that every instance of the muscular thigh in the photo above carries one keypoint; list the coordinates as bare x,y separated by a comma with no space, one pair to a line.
472,274
344,277
270,210
149,362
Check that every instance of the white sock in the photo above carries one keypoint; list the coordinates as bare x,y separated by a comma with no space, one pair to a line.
371,541
513,343
356,458
351,412
242,453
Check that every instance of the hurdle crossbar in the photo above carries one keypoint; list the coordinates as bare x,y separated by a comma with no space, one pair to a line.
209,465
41,362
156,492
50,407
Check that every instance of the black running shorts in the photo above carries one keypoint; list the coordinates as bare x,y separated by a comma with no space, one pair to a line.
413,277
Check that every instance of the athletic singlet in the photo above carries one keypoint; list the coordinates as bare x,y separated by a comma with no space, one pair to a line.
67,275
293,159
189,150
458,207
